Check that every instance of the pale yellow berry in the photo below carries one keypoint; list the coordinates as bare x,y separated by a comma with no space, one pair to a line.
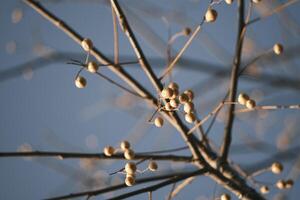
108,151
174,103
173,85
175,94
190,117
256,1
280,184
211,15
168,107
188,107
129,154
243,98
187,31
250,104
289,184
277,168
130,180
130,168
190,94
92,67
264,189
278,49
125,145
183,98
152,166
229,1
80,82
87,44
166,93
225,197
158,122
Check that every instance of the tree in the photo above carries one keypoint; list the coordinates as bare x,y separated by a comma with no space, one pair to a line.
189,113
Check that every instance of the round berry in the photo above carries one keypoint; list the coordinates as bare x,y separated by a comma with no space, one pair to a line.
129,154
158,122
129,180
278,49
280,184
277,168
80,82
243,98
125,145
92,67
188,107
130,168
190,117
166,93
152,166
211,15
87,44
264,189
190,94
229,1
225,197
183,98
289,184
174,103
109,151
250,104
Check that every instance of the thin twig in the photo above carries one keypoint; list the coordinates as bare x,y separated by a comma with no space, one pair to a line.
233,83
181,186
116,38
74,155
123,185
276,10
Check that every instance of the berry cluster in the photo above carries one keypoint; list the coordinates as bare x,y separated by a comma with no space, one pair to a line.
173,100
245,100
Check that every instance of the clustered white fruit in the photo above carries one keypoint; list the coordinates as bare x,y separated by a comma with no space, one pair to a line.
173,100
211,15
245,100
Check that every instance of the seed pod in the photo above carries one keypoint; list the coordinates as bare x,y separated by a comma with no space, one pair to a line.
80,82
173,86
129,180
190,117
158,122
225,197
168,106
174,103
277,168
130,168
229,1
256,1
278,49
250,104
87,44
188,107
187,31
243,98
211,15
129,154
190,94
109,151
289,184
264,189
125,145
183,98
152,166
92,67
280,184
166,93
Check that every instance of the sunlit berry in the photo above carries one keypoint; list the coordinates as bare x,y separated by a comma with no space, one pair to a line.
87,44
158,122
108,150
80,82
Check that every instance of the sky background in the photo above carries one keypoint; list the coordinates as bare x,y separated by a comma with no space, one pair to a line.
41,109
